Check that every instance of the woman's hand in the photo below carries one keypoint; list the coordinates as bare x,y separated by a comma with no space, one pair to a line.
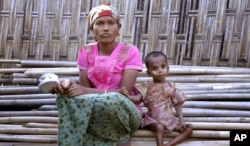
68,88
63,85
74,89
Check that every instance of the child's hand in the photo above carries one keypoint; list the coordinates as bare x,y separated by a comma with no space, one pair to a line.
183,126
124,91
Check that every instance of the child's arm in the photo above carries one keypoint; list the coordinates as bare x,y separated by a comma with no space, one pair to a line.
178,108
135,98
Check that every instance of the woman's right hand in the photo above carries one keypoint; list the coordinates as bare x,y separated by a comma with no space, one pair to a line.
69,88
73,89
62,87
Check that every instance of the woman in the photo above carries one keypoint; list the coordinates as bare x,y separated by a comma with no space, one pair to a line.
94,112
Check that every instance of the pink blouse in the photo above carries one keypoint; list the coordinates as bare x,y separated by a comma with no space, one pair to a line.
105,72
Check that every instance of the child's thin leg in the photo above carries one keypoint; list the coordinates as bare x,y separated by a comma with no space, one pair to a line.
159,130
128,143
183,135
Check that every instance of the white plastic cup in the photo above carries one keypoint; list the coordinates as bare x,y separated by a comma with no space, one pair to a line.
47,81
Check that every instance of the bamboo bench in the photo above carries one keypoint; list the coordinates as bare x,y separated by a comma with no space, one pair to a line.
218,101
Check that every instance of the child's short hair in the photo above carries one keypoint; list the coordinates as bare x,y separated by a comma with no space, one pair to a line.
154,54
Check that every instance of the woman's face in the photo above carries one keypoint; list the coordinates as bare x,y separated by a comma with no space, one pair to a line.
106,29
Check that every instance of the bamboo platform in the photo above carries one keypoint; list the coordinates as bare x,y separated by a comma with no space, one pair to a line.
218,101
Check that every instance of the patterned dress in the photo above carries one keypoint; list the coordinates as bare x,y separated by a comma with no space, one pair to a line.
100,119
96,120
159,98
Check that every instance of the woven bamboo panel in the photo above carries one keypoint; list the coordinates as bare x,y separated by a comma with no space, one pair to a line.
190,32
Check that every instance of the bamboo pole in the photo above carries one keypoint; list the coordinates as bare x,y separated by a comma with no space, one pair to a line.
224,96
40,125
47,107
219,126
33,81
218,119
192,92
212,86
23,130
26,119
19,102
12,70
36,72
35,136
5,81
194,112
229,76
19,90
27,96
10,126
196,134
197,79
18,75
7,61
43,63
25,81
28,113
207,70
24,138
243,105
38,135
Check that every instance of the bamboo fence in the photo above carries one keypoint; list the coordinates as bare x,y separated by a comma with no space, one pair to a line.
218,101
190,32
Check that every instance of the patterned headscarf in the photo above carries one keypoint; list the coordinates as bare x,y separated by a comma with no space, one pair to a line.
103,10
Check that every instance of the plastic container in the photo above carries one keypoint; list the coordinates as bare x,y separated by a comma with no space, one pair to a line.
47,81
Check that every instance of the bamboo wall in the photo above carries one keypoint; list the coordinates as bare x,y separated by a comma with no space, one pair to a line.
190,32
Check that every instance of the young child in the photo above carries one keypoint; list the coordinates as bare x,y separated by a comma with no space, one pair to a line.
159,96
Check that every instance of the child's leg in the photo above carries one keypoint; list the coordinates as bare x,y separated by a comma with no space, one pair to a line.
159,130
128,143
185,133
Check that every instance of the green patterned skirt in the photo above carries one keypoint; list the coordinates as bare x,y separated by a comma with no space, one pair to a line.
96,120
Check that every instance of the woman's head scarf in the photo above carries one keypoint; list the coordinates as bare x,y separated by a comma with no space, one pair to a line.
103,10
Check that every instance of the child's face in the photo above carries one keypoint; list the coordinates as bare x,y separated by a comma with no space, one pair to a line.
158,69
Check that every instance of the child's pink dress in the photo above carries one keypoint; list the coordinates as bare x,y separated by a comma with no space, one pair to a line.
159,98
